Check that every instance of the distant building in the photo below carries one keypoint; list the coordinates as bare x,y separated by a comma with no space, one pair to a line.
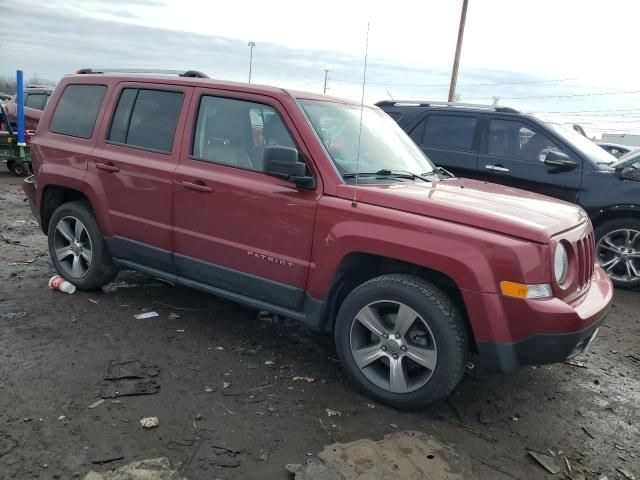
622,138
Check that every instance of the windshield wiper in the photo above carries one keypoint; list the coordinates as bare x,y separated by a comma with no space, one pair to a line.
385,172
443,171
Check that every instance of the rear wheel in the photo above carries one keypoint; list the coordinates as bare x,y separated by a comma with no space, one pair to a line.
618,251
77,247
401,341
10,165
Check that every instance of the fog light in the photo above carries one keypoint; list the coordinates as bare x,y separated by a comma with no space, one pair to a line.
521,290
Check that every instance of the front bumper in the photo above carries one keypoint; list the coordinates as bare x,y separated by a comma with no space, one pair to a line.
512,332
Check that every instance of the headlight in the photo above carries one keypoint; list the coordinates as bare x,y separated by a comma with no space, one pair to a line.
560,264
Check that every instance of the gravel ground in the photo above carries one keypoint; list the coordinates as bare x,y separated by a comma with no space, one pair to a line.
242,395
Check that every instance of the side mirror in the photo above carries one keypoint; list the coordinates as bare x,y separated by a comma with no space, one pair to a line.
560,160
282,162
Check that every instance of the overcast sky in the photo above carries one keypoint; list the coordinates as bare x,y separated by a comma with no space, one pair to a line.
571,59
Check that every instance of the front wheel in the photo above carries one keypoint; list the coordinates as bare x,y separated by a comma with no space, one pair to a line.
618,251
77,247
19,169
401,341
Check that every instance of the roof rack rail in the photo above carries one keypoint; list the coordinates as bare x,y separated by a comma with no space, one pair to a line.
429,103
37,85
180,73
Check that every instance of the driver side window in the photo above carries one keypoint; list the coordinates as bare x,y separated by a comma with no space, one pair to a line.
513,139
234,132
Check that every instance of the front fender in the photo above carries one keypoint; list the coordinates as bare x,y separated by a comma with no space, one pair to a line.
473,258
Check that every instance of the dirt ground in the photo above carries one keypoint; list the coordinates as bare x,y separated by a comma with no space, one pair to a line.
229,403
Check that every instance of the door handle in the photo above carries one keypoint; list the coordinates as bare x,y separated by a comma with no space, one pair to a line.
197,185
107,167
496,168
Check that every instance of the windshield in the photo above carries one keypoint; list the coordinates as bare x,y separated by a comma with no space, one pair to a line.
383,144
627,160
591,150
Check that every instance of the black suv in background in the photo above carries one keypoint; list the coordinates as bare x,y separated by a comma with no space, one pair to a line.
502,145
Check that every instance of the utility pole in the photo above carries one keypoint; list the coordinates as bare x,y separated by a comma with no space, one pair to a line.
326,74
456,61
251,45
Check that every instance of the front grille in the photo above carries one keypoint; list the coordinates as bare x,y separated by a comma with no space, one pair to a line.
585,260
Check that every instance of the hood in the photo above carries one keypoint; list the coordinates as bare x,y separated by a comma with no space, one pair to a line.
479,204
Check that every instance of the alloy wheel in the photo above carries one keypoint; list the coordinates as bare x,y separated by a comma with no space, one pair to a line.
73,247
618,253
393,346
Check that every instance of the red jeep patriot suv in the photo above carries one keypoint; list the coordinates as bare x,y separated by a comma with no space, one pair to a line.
311,208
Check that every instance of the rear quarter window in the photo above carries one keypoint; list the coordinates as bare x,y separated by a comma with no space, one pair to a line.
449,131
77,110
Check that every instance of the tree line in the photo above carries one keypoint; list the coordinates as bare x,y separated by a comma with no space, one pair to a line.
8,83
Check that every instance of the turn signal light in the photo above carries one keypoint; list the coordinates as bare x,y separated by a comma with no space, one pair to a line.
521,290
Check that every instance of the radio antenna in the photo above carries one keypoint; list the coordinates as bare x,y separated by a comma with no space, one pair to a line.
354,202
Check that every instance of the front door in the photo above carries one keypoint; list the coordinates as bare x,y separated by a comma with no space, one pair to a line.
235,228
512,154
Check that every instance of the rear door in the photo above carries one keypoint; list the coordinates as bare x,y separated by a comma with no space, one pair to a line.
513,152
134,165
238,230
450,140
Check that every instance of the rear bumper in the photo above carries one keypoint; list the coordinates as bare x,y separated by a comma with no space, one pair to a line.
511,333
29,188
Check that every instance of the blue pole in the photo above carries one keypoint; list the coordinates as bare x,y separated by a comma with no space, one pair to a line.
20,107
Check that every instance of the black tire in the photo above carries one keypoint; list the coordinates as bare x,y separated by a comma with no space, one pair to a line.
442,318
101,270
603,255
10,165
19,169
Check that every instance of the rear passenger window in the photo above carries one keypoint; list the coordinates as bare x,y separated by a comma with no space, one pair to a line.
77,110
146,119
35,100
449,131
235,132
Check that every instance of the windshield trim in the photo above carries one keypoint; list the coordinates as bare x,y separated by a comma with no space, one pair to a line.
318,139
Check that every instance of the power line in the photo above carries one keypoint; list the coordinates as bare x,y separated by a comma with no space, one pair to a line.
459,85
573,95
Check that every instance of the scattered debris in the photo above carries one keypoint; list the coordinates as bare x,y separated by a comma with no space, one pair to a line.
12,315
142,316
333,413
23,262
626,474
107,458
150,469
129,378
545,461
228,411
174,316
269,362
566,461
306,379
225,385
370,405
94,301
575,363
60,284
61,417
7,444
398,456
208,389
150,422
96,403
589,434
